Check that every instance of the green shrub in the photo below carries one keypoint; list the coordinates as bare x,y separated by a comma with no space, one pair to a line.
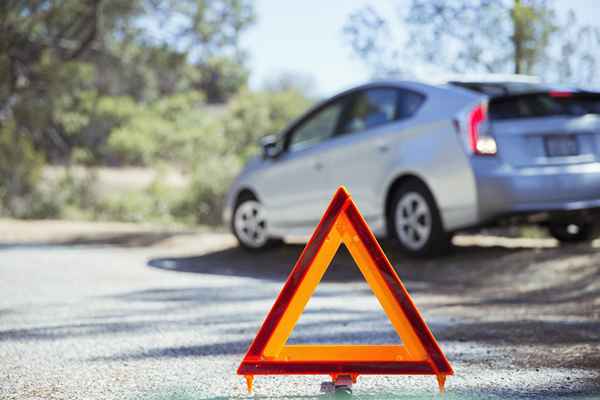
20,172
71,195
130,207
220,152
252,115
210,143
203,200
163,130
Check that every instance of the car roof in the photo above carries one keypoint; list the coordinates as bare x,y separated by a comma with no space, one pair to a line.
400,83
492,78
486,84
494,84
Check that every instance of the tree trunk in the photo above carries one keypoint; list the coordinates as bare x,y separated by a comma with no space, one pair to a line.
517,36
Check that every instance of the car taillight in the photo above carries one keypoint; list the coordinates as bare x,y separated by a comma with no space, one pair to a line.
559,93
480,144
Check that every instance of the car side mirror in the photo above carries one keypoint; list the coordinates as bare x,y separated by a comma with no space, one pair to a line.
271,146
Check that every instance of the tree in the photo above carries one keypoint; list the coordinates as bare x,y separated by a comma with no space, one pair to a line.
369,36
577,59
291,81
220,78
54,53
519,36
72,71
208,33
533,25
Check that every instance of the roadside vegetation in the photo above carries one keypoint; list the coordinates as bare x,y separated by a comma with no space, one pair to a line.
113,83
88,85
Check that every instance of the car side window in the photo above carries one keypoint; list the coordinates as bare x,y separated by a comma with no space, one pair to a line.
408,104
317,128
369,109
375,107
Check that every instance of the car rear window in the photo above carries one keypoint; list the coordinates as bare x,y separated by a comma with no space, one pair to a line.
501,88
536,105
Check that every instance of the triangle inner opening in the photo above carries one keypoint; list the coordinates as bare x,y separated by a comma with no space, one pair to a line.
343,309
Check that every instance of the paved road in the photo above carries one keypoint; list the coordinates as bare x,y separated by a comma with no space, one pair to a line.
172,321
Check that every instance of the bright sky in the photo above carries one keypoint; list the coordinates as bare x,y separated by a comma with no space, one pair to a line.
305,36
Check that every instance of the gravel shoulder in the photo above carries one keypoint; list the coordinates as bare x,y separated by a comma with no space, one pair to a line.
125,311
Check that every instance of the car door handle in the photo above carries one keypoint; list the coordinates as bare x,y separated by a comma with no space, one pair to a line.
318,165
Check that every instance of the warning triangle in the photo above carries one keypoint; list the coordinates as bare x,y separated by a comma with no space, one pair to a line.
419,353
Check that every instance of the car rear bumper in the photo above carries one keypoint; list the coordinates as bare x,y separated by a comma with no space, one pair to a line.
504,190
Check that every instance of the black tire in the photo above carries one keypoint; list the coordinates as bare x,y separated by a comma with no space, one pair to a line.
268,243
437,241
571,232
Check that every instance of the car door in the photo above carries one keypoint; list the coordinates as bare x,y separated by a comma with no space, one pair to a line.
295,186
361,150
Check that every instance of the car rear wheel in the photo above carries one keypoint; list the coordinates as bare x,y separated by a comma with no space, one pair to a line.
415,221
572,233
249,224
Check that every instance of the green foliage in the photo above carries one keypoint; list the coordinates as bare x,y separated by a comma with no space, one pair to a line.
20,168
181,129
252,115
168,129
209,145
87,120
78,193
249,116
369,36
89,83
577,60
154,204
220,78
203,200
475,36
533,26
284,106
287,81
233,139
73,71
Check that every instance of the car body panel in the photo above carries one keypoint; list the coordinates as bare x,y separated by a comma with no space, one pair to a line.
521,142
504,189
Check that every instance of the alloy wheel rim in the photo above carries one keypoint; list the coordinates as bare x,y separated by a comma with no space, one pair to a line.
250,224
413,220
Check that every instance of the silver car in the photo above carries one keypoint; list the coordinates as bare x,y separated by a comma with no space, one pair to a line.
423,161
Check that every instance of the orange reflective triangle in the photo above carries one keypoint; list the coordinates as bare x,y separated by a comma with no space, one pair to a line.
419,353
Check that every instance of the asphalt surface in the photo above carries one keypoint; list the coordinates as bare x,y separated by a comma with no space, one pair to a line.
173,320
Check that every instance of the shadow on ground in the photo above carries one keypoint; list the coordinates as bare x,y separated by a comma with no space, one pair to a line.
276,264
465,265
124,239
475,276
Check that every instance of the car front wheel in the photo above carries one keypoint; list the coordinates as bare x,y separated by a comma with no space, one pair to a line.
249,225
416,222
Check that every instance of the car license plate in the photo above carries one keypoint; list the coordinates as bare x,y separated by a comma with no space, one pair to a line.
561,146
